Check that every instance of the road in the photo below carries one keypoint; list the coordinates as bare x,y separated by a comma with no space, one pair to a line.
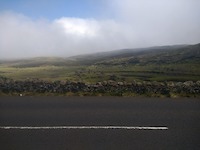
180,116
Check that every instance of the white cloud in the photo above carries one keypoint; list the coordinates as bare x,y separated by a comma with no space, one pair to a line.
161,21
138,23
79,27
22,37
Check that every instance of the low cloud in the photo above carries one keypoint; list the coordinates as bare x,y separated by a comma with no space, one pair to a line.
158,22
138,24
22,37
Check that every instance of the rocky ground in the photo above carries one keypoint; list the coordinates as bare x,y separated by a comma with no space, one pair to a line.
113,88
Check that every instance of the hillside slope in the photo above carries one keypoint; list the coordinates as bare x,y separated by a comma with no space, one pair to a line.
163,63
160,54
142,56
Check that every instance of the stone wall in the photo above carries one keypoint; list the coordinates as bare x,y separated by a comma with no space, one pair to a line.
110,87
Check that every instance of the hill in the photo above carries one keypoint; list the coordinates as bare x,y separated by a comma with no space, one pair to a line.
141,56
162,63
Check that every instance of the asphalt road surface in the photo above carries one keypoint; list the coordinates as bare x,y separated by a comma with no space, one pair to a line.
181,117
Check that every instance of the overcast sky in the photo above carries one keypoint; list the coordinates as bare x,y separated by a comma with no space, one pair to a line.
32,28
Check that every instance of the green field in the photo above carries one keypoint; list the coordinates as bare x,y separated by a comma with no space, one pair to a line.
175,63
98,73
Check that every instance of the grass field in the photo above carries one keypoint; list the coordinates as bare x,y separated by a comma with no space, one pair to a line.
168,63
98,73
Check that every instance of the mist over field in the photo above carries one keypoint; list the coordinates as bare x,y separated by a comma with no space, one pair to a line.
114,25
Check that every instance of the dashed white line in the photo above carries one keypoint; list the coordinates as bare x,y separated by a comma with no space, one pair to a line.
82,127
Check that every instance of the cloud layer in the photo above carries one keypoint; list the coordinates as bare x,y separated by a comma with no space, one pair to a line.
138,24
22,37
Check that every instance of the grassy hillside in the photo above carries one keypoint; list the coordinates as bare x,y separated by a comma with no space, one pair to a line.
37,62
166,63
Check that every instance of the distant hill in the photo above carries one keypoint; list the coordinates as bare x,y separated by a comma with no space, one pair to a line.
140,56
38,61
162,63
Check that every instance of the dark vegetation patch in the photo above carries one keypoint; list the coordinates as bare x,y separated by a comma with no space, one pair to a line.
111,88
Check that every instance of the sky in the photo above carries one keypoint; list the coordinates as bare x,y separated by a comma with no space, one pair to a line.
64,28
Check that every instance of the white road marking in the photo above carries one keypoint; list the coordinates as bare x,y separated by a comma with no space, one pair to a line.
83,127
